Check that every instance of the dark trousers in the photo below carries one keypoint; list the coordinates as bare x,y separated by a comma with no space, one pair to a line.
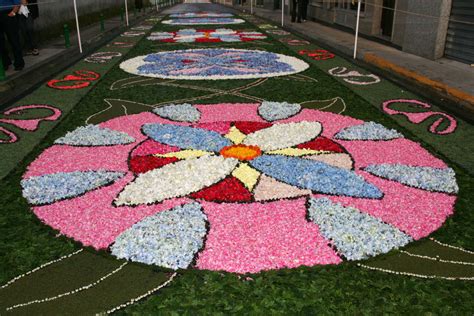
139,4
296,10
9,28
304,9
27,28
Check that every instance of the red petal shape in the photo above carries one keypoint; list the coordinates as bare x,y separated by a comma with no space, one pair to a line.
228,190
322,143
250,127
208,40
142,164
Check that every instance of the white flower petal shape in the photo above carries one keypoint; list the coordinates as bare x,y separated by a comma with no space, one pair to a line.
168,239
176,180
93,135
280,136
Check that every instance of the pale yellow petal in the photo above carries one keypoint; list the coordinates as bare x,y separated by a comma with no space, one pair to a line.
296,152
186,154
235,135
248,175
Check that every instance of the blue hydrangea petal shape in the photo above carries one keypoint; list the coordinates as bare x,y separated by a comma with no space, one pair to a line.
316,176
93,135
51,188
186,137
179,112
368,131
355,234
274,111
426,178
168,239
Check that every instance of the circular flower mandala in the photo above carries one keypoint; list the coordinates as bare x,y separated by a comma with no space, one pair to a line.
240,187
206,36
213,64
203,21
201,15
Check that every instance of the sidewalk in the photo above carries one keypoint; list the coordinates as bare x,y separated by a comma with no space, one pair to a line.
449,83
54,56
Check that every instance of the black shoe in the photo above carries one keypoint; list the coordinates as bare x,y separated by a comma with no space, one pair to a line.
19,68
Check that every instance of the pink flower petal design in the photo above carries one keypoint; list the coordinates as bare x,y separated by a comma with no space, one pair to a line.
254,237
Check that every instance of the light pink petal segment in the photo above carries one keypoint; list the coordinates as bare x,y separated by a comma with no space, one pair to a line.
253,237
271,189
229,112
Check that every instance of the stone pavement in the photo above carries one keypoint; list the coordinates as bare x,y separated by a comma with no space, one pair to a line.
449,83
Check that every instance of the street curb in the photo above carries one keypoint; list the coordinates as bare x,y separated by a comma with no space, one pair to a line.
443,89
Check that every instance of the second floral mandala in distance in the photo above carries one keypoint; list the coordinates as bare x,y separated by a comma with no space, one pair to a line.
214,64
240,187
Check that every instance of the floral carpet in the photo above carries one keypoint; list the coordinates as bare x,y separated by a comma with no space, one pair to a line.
239,169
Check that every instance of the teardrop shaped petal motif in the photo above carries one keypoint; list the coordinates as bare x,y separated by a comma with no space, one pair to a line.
168,239
93,135
176,180
281,136
51,188
179,112
356,235
274,111
426,178
186,137
316,176
368,131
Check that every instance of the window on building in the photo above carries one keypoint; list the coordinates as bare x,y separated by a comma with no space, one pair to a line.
349,5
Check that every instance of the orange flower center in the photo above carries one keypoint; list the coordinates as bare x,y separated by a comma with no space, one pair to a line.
241,152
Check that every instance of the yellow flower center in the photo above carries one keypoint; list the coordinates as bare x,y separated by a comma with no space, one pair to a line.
241,152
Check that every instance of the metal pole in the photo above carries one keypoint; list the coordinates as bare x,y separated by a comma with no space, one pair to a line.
126,12
357,28
157,6
251,6
283,12
79,40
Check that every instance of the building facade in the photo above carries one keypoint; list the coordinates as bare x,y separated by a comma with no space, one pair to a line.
427,28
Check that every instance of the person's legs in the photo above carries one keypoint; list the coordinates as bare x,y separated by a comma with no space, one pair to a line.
304,11
13,36
293,10
3,45
28,32
300,10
